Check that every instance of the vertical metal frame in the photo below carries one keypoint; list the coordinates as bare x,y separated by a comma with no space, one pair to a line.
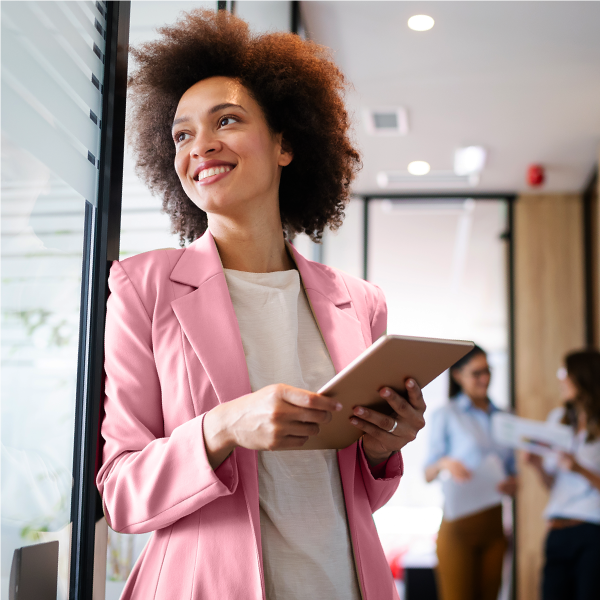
101,245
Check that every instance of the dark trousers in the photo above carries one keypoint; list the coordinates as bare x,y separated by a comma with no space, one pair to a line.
572,569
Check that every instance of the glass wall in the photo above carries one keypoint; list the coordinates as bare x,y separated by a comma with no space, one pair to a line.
443,268
52,81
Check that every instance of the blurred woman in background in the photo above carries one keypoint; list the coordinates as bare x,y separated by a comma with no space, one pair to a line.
475,472
572,568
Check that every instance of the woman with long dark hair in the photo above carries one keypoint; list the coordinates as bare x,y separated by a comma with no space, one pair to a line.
214,351
475,473
572,549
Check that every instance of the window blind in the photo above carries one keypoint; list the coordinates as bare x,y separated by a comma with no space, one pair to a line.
52,69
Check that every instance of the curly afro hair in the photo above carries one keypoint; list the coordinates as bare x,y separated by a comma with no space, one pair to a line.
296,84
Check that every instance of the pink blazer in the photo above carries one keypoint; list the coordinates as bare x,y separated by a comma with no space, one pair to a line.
173,352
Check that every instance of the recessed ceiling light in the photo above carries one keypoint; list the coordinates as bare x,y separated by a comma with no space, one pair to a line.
421,23
418,167
469,160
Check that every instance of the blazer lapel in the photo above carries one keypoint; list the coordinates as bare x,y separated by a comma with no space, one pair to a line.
333,310
208,320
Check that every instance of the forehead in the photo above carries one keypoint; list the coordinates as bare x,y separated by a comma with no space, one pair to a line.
477,362
205,94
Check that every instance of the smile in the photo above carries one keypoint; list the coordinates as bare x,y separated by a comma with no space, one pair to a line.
212,171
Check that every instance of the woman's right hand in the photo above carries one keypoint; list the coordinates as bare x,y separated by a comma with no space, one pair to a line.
276,417
535,460
457,469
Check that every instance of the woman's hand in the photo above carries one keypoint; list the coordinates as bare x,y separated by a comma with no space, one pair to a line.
537,462
273,418
456,468
508,486
568,462
384,434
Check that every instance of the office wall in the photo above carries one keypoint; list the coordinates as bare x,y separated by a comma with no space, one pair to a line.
549,320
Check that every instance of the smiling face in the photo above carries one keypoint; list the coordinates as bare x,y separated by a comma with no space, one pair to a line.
227,159
474,377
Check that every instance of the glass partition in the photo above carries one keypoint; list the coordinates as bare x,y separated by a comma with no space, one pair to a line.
52,83
442,265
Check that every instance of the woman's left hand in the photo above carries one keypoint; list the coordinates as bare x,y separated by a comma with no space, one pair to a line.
568,462
508,486
385,434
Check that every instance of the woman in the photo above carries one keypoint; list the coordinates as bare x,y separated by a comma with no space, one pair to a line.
573,543
214,352
475,473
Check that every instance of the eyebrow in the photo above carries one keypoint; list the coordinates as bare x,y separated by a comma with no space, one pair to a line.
213,110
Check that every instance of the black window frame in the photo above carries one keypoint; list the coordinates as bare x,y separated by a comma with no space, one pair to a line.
102,230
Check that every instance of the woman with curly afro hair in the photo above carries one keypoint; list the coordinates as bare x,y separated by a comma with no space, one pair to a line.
215,351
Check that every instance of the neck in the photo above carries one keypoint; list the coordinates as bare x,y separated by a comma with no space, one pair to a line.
481,403
255,246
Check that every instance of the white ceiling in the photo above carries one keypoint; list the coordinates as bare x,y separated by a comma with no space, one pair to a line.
520,78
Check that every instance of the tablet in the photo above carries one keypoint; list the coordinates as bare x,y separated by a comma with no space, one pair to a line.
388,362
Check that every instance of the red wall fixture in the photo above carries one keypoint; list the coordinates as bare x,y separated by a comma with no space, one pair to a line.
536,175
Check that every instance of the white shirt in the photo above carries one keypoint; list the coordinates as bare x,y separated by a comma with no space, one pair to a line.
572,496
306,545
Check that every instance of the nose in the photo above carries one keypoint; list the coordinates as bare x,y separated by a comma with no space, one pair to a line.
205,144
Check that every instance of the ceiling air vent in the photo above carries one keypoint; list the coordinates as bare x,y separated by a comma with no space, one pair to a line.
432,180
386,121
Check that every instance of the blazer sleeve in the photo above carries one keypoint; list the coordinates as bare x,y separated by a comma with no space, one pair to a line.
147,481
381,481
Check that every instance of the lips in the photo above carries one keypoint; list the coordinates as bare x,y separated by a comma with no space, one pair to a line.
212,168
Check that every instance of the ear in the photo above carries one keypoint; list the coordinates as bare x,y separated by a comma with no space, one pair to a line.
456,375
285,153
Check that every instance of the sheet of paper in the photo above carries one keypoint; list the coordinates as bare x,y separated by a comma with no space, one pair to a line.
478,493
538,437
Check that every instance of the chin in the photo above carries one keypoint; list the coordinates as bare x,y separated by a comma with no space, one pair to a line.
218,205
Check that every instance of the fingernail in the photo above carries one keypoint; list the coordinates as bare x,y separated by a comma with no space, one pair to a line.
386,393
354,421
338,406
359,411
410,383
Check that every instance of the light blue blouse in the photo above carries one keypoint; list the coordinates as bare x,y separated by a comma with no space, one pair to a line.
572,496
463,432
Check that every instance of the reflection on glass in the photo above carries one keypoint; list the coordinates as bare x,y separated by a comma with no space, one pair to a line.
42,241
52,74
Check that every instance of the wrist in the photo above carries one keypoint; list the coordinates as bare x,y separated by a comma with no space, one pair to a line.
375,459
219,440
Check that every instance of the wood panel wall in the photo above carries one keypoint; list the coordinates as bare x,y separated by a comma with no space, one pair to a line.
549,322
595,258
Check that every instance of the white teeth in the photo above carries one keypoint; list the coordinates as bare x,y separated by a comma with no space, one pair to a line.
213,171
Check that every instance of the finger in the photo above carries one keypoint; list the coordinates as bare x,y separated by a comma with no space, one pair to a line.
382,421
299,429
398,402
307,415
415,395
306,399
387,440
403,408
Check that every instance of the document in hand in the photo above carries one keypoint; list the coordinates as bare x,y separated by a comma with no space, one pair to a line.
539,437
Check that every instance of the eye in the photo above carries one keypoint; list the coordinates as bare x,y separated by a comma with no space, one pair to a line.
180,137
224,121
